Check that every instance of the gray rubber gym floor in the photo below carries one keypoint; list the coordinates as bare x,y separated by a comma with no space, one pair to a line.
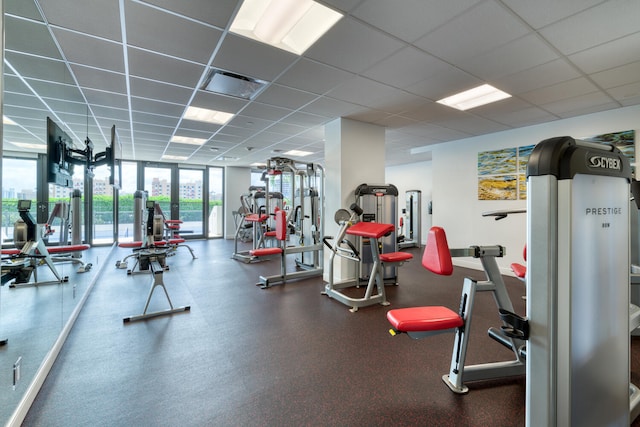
283,356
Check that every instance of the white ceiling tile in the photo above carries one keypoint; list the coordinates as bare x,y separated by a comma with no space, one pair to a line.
91,51
264,111
553,93
213,101
153,89
200,10
608,55
99,79
329,107
416,67
312,76
600,24
414,19
628,94
517,55
578,105
353,46
537,77
157,107
98,18
285,97
473,125
164,69
147,29
479,29
449,81
544,12
29,37
257,60
619,76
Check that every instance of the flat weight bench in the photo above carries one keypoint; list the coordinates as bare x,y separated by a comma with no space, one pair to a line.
420,322
137,247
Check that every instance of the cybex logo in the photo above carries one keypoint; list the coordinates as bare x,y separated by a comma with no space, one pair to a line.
604,162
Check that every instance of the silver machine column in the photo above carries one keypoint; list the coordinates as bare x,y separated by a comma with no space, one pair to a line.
139,200
76,219
412,220
378,203
577,285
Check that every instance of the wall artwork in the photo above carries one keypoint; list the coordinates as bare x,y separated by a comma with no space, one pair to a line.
625,141
502,173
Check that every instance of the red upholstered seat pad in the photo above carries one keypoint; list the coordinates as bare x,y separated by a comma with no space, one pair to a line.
173,221
395,257
265,251
256,218
52,249
424,319
437,257
176,241
519,270
373,230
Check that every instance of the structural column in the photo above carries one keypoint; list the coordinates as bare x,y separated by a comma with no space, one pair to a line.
354,154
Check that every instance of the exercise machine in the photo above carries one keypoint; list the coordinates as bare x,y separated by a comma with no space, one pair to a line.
20,264
251,223
421,322
342,248
411,220
152,258
379,204
578,286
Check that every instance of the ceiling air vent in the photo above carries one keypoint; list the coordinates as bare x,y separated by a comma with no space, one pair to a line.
231,84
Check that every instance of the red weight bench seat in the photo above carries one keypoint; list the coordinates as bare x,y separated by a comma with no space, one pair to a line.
437,259
280,235
52,249
518,269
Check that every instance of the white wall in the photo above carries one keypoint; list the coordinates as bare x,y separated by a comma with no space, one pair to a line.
454,186
416,176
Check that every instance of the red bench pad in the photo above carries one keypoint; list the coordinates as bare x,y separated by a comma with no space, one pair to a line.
176,241
52,249
372,230
256,218
265,251
519,270
424,319
437,257
139,244
395,257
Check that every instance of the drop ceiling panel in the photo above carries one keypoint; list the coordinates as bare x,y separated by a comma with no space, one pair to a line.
187,39
109,99
213,101
29,37
152,89
164,69
99,79
59,91
626,94
331,108
518,55
417,65
583,104
39,68
353,46
23,8
157,107
609,55
553,93
313,77
449,81
78,16
544,12
264,111
537,77
200,10
414,19
258,60
285,97
618,76
139,117
473,125
593,26
479,29
92,51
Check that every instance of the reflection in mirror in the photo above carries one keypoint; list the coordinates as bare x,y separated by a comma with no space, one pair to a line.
38,84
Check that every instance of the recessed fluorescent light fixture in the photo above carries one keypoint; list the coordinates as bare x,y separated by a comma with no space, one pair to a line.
30,146
188,140
172,157
226,83
291,25
297,153
7,121
226,158
206,115
475,97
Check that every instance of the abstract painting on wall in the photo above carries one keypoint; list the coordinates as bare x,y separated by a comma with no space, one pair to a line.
501,173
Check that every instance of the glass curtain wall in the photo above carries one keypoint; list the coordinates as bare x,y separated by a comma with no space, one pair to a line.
191,201
128,187
215,216
16,185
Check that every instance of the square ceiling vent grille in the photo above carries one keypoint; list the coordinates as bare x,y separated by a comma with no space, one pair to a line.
231,84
